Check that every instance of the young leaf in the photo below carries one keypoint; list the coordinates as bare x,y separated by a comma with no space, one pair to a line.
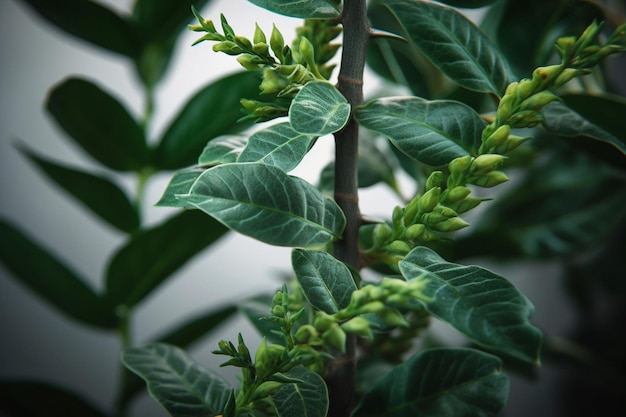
454,44
480,304
222,150
439,382
16,400
326,282
99,124
431,132
307,398
99,194
278,145
212,112
181,386
97,24
180,183
151,256
263,202
41,272
319,109
305,9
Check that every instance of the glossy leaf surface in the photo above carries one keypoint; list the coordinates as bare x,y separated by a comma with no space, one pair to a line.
222,150
439,382
212,112
326,282
454,44
480,304
278,145
103,197
431,132
99,124
308,398
153,255
318,109
180,183
16,400
263,202
306,9
181,386
40,271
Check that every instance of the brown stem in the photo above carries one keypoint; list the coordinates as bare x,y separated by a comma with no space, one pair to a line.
355,38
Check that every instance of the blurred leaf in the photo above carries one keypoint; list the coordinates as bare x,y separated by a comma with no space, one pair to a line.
257,307
103,197
306,9
37,269
212,112
222,150
431,132
180,183
439,382
151,256
327,283
454,44
198,327
480,304
38,399
181,386
278,145
469,4
319,109
263,202
91,22
307,398
99,124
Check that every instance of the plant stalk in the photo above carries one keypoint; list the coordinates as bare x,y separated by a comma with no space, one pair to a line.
356,32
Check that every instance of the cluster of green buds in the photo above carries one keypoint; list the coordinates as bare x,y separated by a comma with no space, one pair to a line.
285,69
371,306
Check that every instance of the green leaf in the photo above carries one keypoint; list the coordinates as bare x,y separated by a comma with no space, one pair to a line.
431,132
153,255
222,150
37,269
181,386
212,112
307,398
468,4
593,117
305,9
91,22
263,202
278,145
180,183
485,307
319,109
439,382
99,124
327,283
257,307
103,197
454,44
37,399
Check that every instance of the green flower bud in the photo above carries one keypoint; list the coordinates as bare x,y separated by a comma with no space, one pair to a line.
273,82
278,310
259,36
410,212
526,88
399,247
491,179
567,75
450,225
565,46
335,337
277,43
460,165
358,326
431,219
498,137
466,204
446,211
266,389
537,101
261,358
398,299
382,232
511,89
396,216
429,200
511,144
372,307
457,193
262,49
206,25
307,52
434,180
505,108
227,47
485,163
249,61
243,42
393,317
414,231
525,118
323,321
544,75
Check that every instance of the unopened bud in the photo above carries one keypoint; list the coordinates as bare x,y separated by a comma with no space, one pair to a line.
505,108
227,47
511,144
429,200
457,194
396,216
249,61
358,326
335,337
543,75
431,219
491,179
372,307
410,212
243,42
525,118
273,82
537,101
393,317
262,49
277,43
511,89
307,52
460,165
382,232
434,180
527,88
450,225
498,137
446,211
399,247
466,204
565,46
567,75
485,163
259,36
414,231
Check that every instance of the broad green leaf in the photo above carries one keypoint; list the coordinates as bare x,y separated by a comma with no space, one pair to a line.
319,109
594,117
485,307
279,145
305,9
37,399
439,382
222,150
263,202
454,44
431,132
468,4
308,398
45,275
327,283
99,124
153,255
102,196
180,183
212,112
91,22
181,386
